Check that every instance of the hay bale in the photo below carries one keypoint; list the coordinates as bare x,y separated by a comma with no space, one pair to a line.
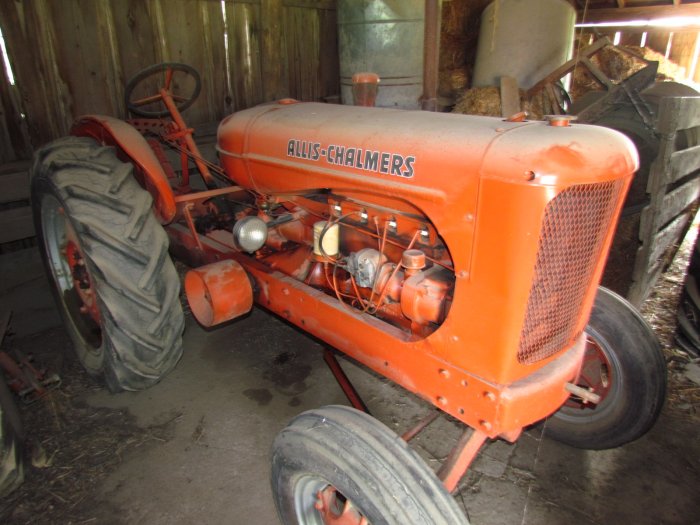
480,101
453,51
534,106
618,66
487,101
453,81
668,69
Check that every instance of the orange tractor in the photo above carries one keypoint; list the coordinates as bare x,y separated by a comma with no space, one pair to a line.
458,256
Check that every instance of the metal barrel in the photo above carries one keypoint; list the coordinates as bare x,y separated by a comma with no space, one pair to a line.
386,38
525,39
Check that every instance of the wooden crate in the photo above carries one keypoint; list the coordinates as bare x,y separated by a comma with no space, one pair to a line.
674,191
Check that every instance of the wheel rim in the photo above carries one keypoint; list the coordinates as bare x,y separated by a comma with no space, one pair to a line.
317,502
597,375
70,273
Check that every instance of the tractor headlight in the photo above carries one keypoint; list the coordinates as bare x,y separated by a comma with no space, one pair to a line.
249,234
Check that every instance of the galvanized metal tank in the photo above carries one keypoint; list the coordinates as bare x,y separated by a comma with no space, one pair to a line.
525,39
384,37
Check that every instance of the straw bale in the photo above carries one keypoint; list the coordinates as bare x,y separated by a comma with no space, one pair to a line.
487,101
480,101
618,66
453,81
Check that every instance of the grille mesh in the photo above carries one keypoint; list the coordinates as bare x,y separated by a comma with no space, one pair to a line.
573,232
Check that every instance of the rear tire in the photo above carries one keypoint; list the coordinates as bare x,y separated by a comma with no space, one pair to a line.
353,455
631,380
118,290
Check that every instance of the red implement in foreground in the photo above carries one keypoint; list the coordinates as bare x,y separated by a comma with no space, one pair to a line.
458,256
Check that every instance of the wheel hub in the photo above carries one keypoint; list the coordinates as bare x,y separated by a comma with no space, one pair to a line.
595,375
335,510
81,280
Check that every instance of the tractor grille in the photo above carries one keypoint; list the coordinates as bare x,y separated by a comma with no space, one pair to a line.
573,232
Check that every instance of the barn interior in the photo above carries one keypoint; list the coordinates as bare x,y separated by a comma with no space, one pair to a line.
194,445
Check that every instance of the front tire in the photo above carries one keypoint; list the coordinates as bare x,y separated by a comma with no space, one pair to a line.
624,364
106,255
339,465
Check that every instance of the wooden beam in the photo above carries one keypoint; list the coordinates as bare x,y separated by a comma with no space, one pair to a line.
650,13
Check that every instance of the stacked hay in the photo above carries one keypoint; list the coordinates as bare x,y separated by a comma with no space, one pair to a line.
487,101
458,38
668,69
619,65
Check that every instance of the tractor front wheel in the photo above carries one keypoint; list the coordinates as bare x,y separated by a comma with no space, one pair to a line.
625,366
337,465
107,259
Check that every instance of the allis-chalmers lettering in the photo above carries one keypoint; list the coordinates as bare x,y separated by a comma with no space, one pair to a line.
362,159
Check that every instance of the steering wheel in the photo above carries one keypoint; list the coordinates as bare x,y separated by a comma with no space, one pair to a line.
166,74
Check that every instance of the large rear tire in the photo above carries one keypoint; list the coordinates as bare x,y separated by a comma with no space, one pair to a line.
339,465
624,364
107,257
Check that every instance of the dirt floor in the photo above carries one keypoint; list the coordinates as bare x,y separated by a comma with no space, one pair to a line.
195,448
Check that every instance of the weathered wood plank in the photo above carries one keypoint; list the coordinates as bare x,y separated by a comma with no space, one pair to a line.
31,43
13,167
329,64
14,140
311,4
243,22
678,200
179,28
83,56
14,186
684,162
639,13
214,70
15,224
678,113
303,50
510,96
668,236
134,48
7,148
274,64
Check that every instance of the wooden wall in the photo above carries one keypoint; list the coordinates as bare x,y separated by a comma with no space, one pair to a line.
72,57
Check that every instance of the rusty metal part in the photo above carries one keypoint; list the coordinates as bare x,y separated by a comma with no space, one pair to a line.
586,395
337,511
460,457
364,89
402,358
595,379
412,261
424,294
559,121
133,147
82,283
422,424
346,386
26,380
189,142
431,54
218,292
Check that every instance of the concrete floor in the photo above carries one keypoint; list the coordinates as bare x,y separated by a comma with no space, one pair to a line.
238,385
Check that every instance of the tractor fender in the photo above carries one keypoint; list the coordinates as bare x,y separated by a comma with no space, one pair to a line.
132,147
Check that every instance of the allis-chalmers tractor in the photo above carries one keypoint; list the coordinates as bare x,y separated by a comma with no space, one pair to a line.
457,256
